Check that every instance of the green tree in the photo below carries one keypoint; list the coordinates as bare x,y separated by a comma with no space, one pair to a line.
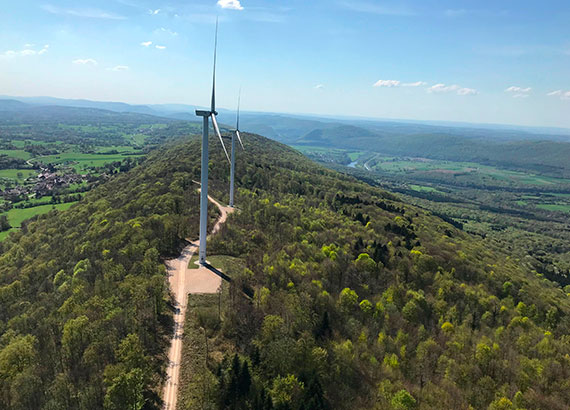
403,400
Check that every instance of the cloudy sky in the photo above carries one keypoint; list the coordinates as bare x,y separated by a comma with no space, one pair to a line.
478,61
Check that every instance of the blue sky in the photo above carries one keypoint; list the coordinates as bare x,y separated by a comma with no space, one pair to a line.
477,61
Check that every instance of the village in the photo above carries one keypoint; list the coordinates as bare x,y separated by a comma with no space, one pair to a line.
48,182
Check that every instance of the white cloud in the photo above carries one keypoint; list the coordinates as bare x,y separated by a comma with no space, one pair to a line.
26,52
416,84
230,4
443,89
85,61
518,90
160,47
319,87
154,12
82,12
467,91
146,43
167,31
387,83
119,68
564,95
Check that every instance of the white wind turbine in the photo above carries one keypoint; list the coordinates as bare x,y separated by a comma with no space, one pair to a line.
235,134
204,178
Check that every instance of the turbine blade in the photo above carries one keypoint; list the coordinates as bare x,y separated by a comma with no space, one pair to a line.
213,107
217,129
239,139
239,101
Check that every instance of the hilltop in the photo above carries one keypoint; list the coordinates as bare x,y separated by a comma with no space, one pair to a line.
360,300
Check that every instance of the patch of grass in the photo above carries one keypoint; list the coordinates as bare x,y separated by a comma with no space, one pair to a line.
17,216
192,263
203,349
4,235
17,174
554,207
421,188
81,161
16,153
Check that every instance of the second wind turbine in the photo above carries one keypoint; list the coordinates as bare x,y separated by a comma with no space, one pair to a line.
206,115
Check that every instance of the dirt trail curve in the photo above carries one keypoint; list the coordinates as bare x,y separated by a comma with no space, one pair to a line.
184,281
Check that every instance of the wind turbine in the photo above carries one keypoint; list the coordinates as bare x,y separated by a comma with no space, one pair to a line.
235,134
206,115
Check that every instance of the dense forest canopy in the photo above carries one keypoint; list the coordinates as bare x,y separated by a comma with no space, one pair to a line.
360,300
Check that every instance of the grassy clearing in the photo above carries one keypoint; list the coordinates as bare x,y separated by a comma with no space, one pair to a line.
421,188
121,149
81,161
17,174
16,153
554,207
203,348
17,216
204,345
227,264
192,263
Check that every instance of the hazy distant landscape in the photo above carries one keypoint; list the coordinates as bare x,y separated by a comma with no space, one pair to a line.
284,205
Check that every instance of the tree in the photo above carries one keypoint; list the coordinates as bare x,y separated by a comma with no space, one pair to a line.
348,299
403,400
4,224
287,390
126,391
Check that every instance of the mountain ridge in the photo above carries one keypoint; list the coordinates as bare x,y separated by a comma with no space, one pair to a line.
83,293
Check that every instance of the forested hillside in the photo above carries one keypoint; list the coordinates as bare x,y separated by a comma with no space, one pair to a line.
84,304
546,157
360,301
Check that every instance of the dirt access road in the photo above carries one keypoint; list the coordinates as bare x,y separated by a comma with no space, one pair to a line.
184,281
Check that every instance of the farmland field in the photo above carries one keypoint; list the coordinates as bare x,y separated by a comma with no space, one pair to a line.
17,216
80,161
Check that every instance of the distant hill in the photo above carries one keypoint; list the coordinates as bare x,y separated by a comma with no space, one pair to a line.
53,113
544,156
110,106
12,105
515,147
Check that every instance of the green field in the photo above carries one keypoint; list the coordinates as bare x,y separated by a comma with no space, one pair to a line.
81,161
17,216
420,188
16,153
554,207
17,174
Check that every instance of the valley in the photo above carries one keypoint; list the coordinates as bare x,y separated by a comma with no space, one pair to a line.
49,162
522,211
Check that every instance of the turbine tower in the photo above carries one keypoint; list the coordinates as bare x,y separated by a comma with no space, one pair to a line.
206,115
233,162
